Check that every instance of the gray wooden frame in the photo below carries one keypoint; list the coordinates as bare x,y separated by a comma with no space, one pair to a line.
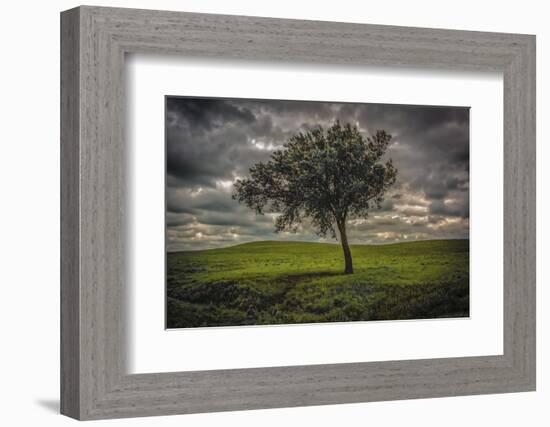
94,382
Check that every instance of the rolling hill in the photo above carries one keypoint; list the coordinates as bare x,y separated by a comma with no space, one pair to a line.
278,282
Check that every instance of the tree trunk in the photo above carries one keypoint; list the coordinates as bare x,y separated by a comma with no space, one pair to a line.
345,247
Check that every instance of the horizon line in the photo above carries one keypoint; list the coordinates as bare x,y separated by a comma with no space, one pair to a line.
319,243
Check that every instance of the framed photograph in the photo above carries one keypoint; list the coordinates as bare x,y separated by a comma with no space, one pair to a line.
259,190
262,213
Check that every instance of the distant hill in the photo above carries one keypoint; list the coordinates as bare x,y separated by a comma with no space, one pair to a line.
282,244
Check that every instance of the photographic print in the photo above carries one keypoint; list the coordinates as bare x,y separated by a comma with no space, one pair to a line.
293,212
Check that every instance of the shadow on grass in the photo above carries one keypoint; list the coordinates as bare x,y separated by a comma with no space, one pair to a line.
298,277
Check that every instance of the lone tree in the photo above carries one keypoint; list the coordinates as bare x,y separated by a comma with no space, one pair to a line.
327,176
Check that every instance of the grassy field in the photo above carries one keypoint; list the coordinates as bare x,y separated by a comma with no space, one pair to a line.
276,282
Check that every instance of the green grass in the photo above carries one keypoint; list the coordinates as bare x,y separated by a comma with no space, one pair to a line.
276,282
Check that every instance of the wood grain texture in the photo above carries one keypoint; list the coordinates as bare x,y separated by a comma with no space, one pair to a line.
95,383
70,291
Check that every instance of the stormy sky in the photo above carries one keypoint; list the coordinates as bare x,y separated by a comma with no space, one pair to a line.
211,142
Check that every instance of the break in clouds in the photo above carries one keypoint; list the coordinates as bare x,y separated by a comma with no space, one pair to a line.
211,142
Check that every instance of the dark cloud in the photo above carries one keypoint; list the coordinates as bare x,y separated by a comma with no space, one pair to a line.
191,200
206,113
210,142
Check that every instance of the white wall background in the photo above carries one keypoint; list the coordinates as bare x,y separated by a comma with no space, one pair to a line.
29,191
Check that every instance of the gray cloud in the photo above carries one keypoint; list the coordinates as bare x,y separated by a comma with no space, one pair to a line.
210,142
